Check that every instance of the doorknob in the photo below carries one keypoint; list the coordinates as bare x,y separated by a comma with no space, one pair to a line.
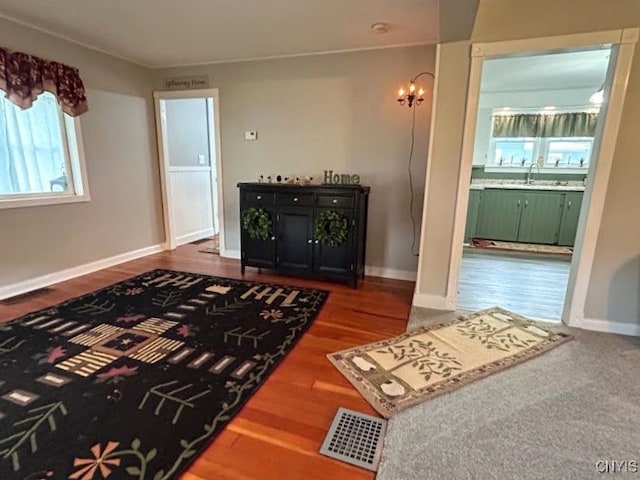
273,238
295,199
317,242
309,241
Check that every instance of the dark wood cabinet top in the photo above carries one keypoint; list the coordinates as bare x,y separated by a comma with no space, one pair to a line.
301,188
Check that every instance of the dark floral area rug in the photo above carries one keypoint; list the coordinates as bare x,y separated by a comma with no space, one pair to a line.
134,380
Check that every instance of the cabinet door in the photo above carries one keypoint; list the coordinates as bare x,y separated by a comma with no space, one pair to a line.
338,260
472,214
295,233
570,217
256,252
499,215
541,214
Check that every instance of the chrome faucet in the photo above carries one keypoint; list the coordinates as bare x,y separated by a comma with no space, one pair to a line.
529,180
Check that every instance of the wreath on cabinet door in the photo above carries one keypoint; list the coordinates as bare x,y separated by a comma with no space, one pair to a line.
257,223
331,228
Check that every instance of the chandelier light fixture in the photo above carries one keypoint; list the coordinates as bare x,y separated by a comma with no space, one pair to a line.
414,95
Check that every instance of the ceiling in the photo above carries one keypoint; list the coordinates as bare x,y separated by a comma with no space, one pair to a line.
558,71
162,33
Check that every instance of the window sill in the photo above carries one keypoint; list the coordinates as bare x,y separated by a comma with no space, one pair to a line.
42,200
547,170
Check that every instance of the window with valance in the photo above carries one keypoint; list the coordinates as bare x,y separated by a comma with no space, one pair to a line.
575,124
562,140
41,161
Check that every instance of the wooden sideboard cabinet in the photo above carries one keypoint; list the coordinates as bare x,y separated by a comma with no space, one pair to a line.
292,247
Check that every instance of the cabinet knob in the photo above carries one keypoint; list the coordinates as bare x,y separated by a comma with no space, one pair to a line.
273,238
569,206
335,200
309,241
295,199
259,197
526,202
317,242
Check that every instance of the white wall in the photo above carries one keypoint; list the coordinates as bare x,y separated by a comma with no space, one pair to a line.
124,213
187,131
336,112
614,283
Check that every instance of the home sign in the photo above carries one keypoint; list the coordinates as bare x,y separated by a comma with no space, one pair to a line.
331,178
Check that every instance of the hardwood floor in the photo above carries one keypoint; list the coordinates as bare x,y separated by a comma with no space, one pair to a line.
279,431
531,285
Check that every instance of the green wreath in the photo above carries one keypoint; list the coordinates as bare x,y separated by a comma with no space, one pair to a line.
257,223
331,228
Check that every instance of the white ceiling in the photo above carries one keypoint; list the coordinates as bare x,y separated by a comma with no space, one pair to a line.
161,33
558,71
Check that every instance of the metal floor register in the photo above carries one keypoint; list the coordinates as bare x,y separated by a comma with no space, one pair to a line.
355,438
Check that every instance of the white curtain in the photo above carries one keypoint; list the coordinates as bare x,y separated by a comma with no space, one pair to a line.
31,148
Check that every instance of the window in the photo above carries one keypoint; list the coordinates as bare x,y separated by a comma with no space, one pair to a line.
40,155
558,152
568,152
514,151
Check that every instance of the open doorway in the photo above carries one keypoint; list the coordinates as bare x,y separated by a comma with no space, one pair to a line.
620,45
188,141
535,131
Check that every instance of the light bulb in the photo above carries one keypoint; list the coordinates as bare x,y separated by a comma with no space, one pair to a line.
412,88
598,97
401,92
420,92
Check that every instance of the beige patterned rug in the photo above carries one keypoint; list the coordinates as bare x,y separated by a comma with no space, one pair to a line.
521,247
402,371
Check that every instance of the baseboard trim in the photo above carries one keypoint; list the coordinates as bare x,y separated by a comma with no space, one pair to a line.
26,286
632,329
194,237
435,302
373,271
235,254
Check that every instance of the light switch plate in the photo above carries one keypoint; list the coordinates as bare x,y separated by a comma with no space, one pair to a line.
251,135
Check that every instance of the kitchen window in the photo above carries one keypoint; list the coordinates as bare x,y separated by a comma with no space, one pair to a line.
558,152
41,157
561,141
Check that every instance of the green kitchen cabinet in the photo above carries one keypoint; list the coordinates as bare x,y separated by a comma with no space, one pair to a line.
475,197
540,217
499,215
570,217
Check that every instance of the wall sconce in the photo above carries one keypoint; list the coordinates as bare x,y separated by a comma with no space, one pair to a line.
411,96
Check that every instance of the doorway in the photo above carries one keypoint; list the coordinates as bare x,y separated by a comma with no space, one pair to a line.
190,166
535,130
510,233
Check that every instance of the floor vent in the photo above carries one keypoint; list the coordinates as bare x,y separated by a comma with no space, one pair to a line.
355,438
23,297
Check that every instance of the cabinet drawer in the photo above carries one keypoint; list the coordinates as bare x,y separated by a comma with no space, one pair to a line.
258,198
292,200
343,201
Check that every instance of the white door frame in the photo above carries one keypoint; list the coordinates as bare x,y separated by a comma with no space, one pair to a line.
623,42
216,174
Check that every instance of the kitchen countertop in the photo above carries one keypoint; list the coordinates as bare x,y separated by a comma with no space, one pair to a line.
539,185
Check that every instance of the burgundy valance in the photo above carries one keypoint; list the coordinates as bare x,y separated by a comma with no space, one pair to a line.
23,77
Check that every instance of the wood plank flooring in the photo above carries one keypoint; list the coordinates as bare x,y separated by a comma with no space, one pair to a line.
531,285
279,431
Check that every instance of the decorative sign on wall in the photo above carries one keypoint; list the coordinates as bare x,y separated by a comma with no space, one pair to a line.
186,83
331,178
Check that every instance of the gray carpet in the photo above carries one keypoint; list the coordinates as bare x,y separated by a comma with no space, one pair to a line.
552,417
